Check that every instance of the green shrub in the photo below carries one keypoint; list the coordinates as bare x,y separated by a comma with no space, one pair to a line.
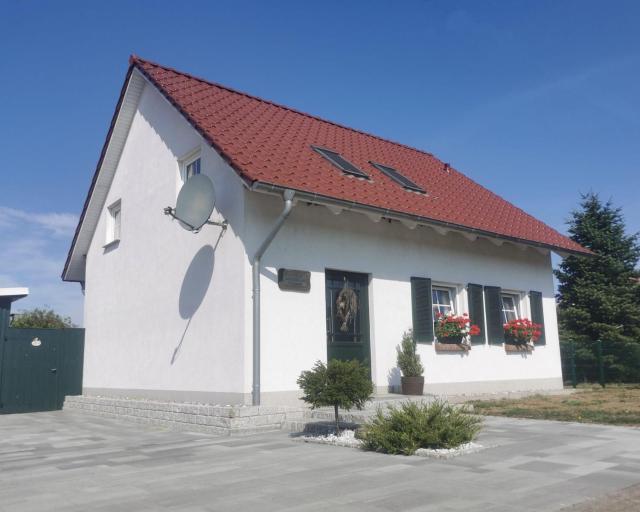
341,384
41,319
408,360
413,425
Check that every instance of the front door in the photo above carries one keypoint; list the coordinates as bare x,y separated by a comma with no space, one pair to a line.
347,316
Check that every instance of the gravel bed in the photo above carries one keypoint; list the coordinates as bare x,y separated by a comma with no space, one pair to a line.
347,438
448,453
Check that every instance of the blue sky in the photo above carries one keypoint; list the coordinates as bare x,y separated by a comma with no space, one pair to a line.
538,101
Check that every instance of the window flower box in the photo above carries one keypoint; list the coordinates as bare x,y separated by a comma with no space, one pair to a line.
452,347
453,333
518,348
521,335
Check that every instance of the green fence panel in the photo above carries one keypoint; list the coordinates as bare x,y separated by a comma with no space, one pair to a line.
39,367
600,361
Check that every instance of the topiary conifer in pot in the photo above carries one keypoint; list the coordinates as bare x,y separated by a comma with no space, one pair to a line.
410,365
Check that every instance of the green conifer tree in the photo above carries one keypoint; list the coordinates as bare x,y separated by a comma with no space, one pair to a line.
599,296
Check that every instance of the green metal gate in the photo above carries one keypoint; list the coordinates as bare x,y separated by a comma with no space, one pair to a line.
39,367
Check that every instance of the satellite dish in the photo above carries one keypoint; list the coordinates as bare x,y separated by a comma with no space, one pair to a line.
195,204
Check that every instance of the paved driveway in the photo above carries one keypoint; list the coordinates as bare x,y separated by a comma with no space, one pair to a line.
70,461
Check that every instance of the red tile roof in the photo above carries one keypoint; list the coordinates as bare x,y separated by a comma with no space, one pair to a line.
270,143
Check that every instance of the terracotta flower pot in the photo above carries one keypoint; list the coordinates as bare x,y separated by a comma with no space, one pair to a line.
412,385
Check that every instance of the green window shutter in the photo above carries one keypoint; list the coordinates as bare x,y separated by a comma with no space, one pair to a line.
422,309
476,310
537,316
493,304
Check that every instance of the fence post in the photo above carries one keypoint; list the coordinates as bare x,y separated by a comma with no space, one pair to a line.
572,362
600,364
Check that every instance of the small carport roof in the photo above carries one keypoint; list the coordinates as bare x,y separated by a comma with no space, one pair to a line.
9,295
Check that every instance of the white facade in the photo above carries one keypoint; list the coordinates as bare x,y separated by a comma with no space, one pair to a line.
168,314
314,239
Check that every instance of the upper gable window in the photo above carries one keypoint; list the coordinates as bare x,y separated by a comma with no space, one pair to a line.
114,221
190,168
340,162
189,165
398,178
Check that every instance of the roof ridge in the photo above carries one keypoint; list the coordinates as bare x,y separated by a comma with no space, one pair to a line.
134,59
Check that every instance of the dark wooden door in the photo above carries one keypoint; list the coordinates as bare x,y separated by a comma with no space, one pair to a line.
347,316
39,367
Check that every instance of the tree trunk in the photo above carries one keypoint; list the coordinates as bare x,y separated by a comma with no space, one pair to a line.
335,408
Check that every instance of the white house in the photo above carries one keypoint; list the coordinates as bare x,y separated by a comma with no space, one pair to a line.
202,317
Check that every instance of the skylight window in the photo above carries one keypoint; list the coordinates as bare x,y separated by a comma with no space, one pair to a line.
340,162
398,178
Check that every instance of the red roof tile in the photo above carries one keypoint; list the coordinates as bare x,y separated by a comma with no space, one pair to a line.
271,143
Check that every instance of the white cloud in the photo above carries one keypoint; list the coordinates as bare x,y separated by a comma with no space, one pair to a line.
59,224
34,249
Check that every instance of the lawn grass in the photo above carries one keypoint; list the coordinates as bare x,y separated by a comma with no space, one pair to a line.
613,405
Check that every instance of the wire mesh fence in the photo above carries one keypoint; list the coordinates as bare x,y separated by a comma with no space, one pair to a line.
599,361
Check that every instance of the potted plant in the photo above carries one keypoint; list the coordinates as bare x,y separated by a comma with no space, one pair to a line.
410,365
455,329
522,331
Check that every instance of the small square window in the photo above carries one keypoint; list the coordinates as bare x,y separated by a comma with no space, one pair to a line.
114,221
442,299
191,169
509,307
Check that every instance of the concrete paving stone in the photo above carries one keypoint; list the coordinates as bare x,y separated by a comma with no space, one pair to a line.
604,481
592,467
543,466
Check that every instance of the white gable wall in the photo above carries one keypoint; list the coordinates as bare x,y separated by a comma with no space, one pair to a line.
164,312
314,239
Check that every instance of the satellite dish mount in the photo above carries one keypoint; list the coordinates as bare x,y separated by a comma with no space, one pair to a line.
195,204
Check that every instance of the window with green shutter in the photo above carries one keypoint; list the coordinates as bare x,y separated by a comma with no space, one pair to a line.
422,312
537,315
476,311
493,306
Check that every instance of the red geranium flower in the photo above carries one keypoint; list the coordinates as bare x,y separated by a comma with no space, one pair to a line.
523,330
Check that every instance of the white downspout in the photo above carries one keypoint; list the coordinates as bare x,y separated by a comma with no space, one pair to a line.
255,271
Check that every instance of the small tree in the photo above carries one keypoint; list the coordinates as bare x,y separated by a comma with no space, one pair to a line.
41,319
341,384
408,359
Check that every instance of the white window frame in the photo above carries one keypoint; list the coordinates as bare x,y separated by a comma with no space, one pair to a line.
114,222
519,303
454,296
186,160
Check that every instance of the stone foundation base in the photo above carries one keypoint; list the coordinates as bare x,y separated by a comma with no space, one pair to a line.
470,389
228,420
